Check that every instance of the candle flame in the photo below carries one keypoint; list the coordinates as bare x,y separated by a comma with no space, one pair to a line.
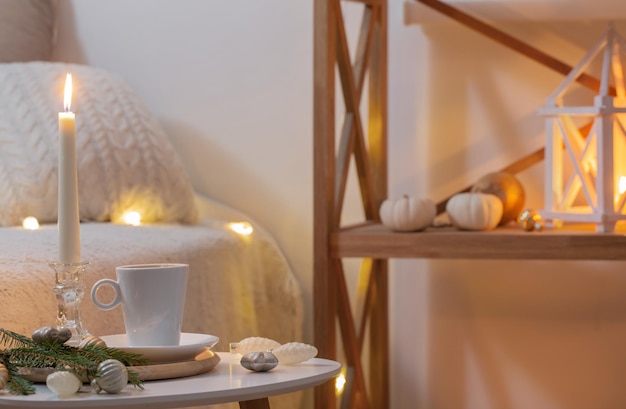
67,100
622,184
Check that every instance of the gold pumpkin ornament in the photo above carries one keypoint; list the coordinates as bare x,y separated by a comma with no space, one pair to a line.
506,187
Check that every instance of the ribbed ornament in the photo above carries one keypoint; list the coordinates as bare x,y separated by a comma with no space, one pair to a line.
111,376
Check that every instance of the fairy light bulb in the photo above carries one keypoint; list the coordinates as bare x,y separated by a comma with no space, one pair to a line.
340,383
132,218
30,223
243,228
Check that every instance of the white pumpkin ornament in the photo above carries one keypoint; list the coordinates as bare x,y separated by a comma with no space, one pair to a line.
63,383
508,189
474,211
409,213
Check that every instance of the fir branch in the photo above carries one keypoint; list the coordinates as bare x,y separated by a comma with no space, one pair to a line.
41,357
134,379
12,339
99,354
16,384
23,352
19,386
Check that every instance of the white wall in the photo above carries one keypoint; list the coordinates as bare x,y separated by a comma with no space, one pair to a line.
232,83
492,334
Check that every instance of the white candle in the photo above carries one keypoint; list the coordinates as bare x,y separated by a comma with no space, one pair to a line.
68,219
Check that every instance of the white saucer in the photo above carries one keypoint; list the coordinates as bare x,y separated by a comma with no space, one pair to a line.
190,346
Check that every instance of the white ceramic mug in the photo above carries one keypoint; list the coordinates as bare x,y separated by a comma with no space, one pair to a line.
153,301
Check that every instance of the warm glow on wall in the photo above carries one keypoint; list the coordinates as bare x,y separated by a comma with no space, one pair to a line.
243,228
30,223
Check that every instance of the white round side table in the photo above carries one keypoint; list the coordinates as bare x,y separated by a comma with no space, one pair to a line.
227,382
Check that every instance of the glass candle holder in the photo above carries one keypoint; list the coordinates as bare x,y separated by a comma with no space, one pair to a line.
69,290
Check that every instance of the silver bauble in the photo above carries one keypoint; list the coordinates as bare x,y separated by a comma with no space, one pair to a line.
111,376
52,334
259,361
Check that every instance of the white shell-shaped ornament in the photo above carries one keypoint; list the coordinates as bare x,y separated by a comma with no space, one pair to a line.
294,353
259,361
63,383
255,344
111,376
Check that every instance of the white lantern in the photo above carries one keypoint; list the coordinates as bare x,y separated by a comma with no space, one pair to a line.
585,176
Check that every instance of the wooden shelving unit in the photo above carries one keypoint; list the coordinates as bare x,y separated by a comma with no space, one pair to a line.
365,141
571,243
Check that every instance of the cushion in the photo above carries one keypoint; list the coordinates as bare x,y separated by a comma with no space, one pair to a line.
26,30
125,160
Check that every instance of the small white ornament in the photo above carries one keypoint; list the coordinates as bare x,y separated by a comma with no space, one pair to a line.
63,383
294,352
255,344
111,376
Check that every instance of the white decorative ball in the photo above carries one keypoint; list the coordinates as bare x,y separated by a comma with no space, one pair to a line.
294,352
63,383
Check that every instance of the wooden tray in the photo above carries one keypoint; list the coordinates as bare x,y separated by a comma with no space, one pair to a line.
201,364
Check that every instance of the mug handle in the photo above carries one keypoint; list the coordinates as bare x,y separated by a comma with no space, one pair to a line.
116,300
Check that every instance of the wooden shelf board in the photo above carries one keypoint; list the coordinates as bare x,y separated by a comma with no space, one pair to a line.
571,243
